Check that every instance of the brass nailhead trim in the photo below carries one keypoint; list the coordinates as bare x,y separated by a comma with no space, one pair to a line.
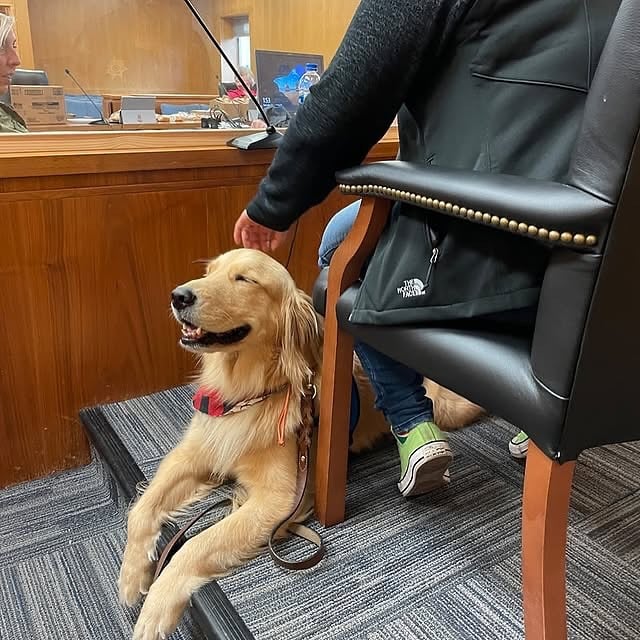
486,218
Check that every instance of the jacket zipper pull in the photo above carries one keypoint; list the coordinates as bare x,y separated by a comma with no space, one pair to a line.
432,263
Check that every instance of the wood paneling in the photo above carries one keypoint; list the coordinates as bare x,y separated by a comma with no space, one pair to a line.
290,25
98,228
122,46
156,46
88,322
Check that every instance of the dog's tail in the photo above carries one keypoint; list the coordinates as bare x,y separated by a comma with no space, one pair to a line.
451,410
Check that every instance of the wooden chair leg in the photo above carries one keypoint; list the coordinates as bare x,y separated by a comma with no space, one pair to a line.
333,436
545,514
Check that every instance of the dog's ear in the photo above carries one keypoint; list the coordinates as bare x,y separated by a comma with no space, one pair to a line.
301,340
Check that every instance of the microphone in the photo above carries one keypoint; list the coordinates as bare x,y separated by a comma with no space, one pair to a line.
102,120
268,139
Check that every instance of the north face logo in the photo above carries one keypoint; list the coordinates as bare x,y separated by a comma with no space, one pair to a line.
411,288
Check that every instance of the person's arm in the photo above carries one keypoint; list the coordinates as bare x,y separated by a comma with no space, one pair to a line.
355,102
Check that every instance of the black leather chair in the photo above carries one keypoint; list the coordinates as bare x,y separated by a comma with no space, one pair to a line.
28,77
571,385
224,87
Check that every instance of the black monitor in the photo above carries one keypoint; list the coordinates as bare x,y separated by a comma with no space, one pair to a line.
223,87
278,73
29,77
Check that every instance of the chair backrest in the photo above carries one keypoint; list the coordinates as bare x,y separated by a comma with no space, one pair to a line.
25,76
30,76
223,87
603,407
612,111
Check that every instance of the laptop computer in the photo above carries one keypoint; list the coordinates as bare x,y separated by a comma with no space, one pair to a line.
138,110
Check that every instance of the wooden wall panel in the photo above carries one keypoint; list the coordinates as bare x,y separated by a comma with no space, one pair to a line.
290,25
122,46
155,46
89,280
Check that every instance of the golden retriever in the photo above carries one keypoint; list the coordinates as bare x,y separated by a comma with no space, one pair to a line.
257,335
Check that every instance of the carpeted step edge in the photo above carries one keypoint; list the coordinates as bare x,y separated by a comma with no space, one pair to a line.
212,611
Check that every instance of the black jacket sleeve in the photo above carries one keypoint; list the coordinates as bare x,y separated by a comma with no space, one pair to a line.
387,43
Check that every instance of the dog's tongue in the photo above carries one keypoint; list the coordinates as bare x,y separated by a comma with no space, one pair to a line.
192,333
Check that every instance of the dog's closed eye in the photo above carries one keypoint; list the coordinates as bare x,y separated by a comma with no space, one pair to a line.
242,278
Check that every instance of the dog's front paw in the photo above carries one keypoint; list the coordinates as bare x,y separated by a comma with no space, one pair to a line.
136,575
161,611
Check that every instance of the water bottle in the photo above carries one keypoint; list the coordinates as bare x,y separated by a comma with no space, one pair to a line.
308,79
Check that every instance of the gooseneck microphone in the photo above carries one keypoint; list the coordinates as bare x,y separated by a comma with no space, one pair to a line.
102,120
268,139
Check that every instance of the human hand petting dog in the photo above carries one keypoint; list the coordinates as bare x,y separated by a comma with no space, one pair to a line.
252,235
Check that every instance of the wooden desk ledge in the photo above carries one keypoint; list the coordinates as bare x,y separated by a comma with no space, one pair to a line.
73,152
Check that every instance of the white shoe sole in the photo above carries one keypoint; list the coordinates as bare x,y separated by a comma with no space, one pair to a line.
519,449
427,469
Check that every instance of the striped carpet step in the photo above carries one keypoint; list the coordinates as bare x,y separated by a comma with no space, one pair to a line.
439,567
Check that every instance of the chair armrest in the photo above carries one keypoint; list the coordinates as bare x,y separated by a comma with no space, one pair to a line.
547,211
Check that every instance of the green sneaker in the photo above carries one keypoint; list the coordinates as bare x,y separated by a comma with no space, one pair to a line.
519,445
424,459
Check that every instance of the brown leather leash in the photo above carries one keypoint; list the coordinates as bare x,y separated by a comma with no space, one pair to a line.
305,430
299,530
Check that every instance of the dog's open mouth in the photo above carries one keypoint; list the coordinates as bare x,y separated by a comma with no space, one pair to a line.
196,336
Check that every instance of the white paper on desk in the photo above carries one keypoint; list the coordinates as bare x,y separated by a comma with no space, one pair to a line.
80,120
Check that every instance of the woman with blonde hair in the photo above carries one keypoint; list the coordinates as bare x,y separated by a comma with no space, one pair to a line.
10,120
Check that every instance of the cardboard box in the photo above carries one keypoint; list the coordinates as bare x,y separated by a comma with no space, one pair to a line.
39,104
233,107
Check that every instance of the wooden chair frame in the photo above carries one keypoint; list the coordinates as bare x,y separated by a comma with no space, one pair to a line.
547,484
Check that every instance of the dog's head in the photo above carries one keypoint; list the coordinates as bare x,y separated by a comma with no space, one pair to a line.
245,302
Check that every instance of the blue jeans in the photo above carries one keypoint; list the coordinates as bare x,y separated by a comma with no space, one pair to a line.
398,389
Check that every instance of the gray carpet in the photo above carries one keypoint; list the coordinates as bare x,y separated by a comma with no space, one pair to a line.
61,540
443,566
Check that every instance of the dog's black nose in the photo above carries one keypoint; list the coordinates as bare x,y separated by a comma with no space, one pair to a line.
182,297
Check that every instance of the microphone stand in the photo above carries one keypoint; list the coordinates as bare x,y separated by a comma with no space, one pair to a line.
268,139
102,120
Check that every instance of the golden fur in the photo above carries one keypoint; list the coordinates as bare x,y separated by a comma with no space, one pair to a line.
283,347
